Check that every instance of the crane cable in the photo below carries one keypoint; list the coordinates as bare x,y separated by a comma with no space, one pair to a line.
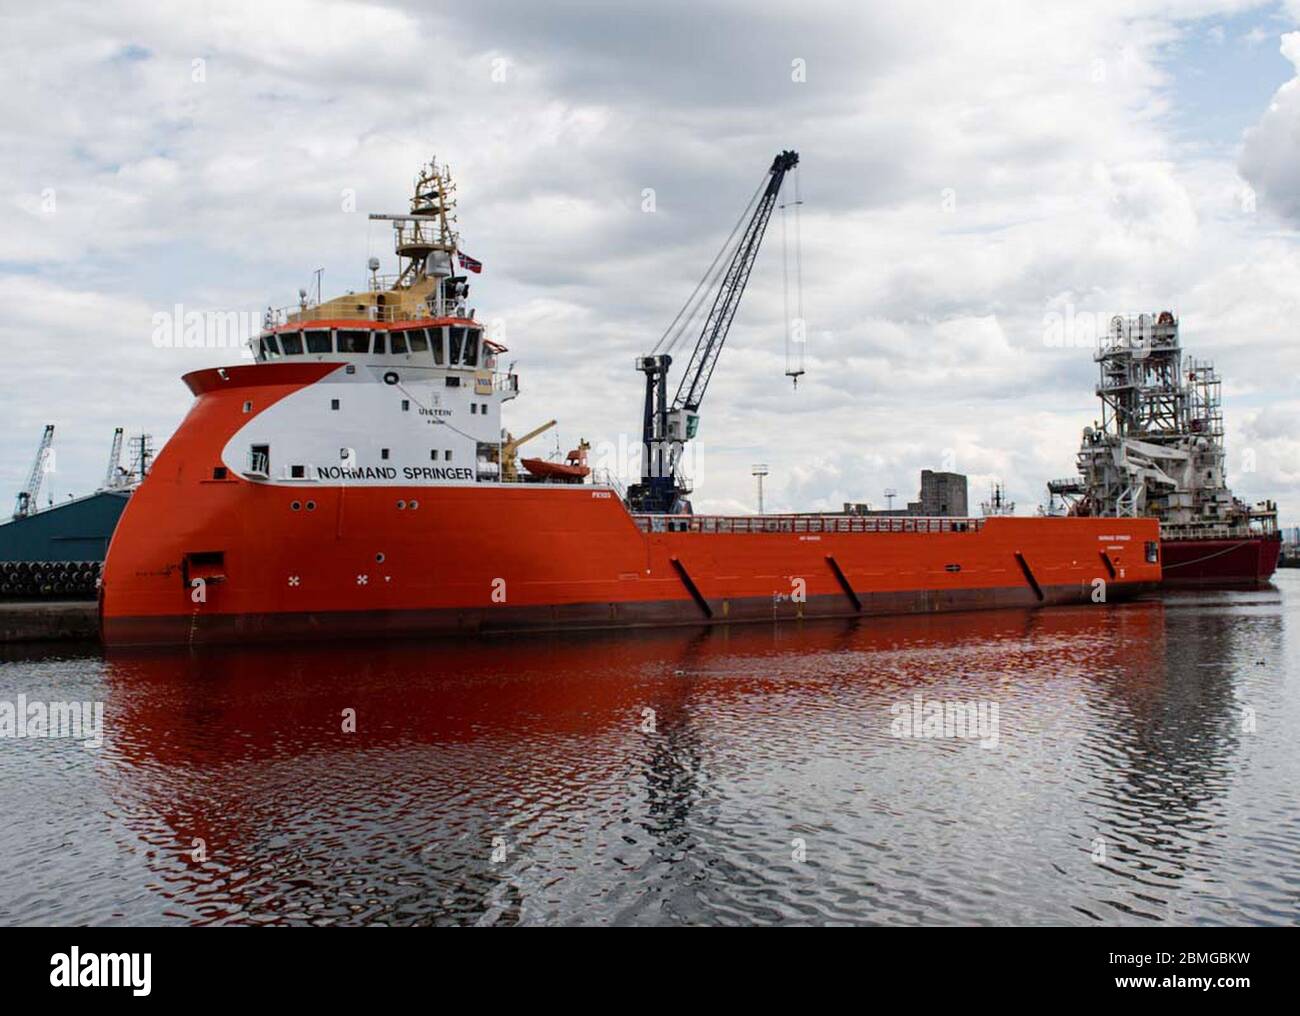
798,252
794,362
712,284
785,281
711,277
704,291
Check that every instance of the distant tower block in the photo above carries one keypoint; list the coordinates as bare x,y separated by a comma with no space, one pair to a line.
943,494
759,471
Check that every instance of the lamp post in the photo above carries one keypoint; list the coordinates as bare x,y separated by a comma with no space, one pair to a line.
760,471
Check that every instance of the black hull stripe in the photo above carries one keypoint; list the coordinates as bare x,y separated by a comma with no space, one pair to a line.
226,628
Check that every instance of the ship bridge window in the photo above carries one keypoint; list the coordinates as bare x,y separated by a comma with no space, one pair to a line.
418,340
270,348
381,343
399,343
436,343
457,341
469,355
354,341
291,343
318,341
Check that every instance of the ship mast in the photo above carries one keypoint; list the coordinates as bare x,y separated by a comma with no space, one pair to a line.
426,240
998,504
426,285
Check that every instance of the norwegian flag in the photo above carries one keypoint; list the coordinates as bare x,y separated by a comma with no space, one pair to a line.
469,263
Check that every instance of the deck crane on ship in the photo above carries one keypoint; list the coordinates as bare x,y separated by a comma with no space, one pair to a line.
666,427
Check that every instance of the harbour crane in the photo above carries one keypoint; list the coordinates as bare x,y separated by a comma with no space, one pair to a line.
666,427
27,496
113,479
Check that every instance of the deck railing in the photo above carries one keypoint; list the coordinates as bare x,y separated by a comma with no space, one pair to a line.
1203,531
803,524
603,477
361,311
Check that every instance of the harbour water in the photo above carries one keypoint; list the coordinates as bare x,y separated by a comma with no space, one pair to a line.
1136,764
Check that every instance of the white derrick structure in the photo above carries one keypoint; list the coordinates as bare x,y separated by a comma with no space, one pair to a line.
1158,449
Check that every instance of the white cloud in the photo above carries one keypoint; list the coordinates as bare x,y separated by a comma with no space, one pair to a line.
1272,147
1046,125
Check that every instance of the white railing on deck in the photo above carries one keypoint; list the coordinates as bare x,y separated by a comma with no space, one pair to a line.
1209,531
603,477
803,524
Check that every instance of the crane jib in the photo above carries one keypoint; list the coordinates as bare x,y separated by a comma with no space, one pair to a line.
690,392
660,489
699,370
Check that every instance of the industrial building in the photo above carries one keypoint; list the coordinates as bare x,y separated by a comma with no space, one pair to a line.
942,495
77,530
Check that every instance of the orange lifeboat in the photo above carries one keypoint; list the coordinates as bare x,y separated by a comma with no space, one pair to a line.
573,469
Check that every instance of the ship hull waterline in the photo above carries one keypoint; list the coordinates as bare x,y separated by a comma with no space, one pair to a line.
444,622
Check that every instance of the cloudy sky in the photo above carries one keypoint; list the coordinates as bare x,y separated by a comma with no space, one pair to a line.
971,174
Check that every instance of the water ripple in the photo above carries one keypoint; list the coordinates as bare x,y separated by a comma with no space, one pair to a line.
1143,772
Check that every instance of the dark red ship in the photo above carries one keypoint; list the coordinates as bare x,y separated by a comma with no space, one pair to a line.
1248,560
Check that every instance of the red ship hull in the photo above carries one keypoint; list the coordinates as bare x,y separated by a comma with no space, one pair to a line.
200,558
1241,562
570,561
